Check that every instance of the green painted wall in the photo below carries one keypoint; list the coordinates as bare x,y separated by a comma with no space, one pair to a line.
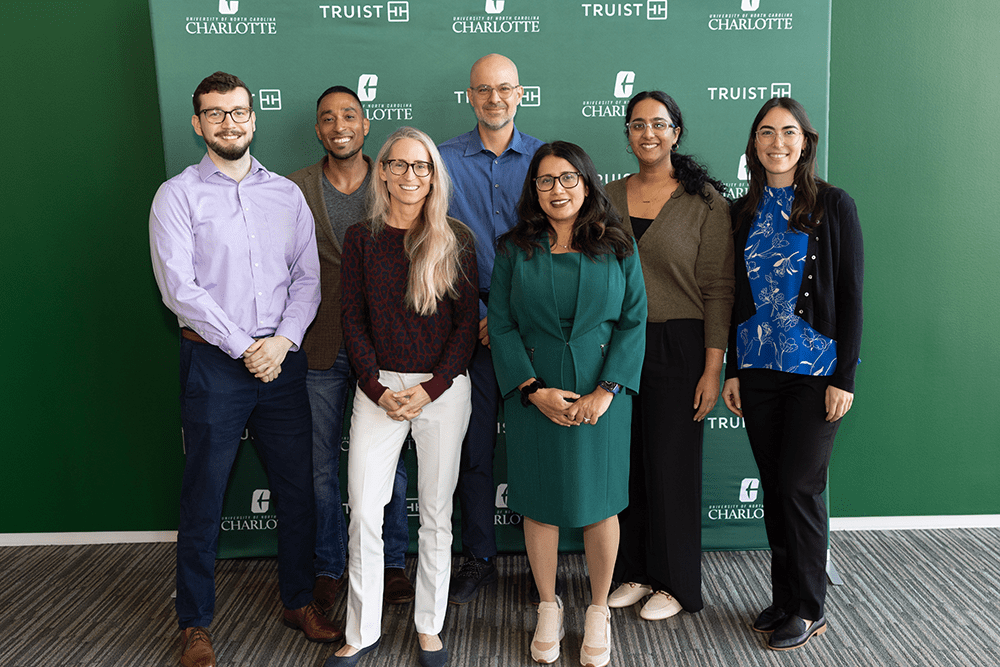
89,406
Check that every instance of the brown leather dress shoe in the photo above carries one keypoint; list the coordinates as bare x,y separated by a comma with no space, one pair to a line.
313,623
196,648
398,589
325,591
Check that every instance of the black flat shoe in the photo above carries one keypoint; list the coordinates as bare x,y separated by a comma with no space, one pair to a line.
350,660
770,619
795,632
437,658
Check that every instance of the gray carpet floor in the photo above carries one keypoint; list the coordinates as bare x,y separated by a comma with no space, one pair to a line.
910,598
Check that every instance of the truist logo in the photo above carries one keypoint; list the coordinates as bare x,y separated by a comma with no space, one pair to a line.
366,87
750,5
748,489
494,6
228,6
623,84
261,501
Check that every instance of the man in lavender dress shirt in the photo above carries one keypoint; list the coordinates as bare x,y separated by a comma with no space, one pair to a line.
234,255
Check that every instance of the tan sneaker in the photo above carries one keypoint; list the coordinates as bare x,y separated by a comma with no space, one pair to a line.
196,648
548,632
596,649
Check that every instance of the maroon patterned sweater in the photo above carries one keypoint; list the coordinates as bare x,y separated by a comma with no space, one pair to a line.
382,333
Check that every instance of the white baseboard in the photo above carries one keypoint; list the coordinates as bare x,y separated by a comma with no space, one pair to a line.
836,523
40,539
915,522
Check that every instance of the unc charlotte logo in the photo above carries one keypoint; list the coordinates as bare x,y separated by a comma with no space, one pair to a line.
750,5
494,6
366,87
228,6
261,501
623,84
748,489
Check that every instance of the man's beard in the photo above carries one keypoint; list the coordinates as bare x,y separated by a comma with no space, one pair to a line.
231,152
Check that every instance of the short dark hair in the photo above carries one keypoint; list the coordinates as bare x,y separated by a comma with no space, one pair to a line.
691,174
597,231
807,208
220,82
339,89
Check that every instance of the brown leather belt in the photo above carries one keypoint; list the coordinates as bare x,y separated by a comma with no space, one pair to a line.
191,335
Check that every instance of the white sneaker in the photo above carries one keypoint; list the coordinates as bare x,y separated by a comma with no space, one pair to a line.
662,605
628,594
596,649
548,631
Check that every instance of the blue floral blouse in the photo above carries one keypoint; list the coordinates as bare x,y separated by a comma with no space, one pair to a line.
775,337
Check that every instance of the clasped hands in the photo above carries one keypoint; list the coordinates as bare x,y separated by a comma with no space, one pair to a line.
264,357
405,404
586,409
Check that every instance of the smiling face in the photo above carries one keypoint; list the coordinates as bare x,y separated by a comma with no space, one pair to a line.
560,204
406,188
341,126
779,158
228,140
494,112
651,146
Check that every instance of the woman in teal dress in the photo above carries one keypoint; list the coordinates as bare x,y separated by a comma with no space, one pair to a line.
567,321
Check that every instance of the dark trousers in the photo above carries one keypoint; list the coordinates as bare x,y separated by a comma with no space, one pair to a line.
661,527
785,417
219,398
475,488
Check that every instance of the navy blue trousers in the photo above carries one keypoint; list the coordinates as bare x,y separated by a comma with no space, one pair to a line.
219,399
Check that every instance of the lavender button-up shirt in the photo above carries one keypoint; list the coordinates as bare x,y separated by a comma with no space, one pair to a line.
235,261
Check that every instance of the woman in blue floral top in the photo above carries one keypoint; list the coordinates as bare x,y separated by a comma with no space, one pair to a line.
794,342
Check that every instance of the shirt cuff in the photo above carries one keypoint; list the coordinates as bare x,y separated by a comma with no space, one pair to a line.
373,389
236,344
436,386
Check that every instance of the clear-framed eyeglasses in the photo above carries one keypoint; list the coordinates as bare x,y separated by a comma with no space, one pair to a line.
789,136
216,116
657,126
504,90
567,179
420,168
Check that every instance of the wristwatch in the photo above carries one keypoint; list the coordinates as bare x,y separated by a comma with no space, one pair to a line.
529,389
610,387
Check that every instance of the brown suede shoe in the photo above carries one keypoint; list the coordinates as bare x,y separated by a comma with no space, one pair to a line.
325,591
398,589
313,623
196,648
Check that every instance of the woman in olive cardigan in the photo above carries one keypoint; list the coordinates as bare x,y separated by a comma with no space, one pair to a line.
567,317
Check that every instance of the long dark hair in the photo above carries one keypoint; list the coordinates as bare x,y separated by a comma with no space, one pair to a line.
691,174
807,209
598,229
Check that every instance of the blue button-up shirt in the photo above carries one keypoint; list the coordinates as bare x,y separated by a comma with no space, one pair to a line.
235,261
487,189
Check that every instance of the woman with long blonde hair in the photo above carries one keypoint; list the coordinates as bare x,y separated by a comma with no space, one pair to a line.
410,312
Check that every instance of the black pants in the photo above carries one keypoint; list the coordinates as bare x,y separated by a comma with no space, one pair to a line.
785,417
661,527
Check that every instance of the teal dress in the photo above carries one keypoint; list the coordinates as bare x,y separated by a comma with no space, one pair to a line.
570,321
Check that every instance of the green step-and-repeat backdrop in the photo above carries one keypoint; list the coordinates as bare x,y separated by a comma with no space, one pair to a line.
579,63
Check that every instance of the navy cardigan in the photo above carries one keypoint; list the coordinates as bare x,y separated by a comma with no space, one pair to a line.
832,277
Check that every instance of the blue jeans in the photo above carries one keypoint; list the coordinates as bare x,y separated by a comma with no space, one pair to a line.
327,398
219,398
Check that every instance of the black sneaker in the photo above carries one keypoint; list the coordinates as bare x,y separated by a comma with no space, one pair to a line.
473,575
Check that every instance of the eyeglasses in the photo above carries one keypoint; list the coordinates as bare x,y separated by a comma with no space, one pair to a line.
504,90
399,167
657,126
567,179
216,116
768,136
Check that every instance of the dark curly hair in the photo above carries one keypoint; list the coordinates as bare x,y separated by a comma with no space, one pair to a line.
597,231
691,174
807,209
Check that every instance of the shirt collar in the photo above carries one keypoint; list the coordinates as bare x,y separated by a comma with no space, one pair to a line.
475,143
206,168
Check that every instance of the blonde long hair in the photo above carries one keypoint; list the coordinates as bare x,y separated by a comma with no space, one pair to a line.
433,245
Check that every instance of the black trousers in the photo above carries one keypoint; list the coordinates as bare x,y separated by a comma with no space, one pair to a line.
785,417
661,527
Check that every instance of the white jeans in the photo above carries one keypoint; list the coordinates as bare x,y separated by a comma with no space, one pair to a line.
376,441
